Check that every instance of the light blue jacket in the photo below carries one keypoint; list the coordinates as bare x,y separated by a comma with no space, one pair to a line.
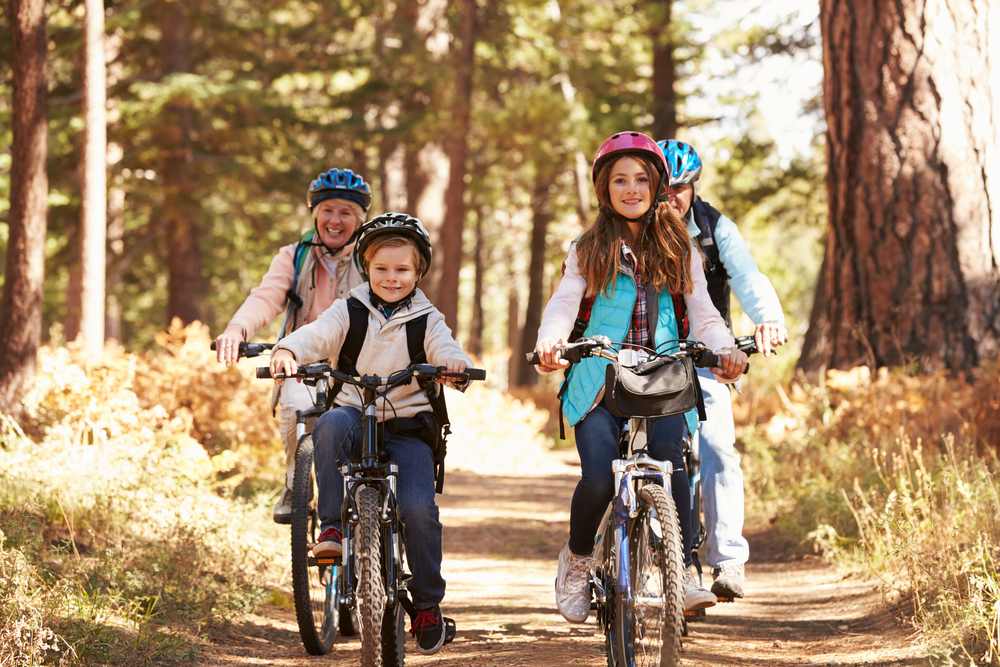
752,288
611,317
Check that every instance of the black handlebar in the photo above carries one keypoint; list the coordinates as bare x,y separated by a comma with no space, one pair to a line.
264,372
703,358
250,349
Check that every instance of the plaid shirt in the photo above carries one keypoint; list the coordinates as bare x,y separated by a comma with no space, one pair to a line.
638,332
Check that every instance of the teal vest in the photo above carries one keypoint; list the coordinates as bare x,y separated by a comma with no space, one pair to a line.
611,317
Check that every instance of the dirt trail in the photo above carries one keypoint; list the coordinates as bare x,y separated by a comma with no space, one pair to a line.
502,537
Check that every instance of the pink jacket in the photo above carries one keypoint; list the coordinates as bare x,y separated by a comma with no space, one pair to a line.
316,287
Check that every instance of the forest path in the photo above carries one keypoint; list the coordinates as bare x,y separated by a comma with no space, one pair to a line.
502,536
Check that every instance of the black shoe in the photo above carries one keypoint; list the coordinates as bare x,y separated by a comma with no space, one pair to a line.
429,630
283,508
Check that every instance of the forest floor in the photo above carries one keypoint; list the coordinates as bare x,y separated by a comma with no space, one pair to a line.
502,536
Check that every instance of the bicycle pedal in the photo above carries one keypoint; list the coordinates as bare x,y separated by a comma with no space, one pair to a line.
328,561
449,629
593,606
694,615
726,599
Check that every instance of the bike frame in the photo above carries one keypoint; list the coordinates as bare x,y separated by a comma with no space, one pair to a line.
371,472
630,473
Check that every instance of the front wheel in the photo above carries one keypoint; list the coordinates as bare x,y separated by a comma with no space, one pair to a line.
650,626
393,636
314,585
371,589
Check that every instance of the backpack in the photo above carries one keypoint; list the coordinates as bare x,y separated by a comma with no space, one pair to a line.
294,300
706,217
431,427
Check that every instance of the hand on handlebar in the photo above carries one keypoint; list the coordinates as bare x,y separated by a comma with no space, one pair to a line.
548,355
732,365
227,345
283,363
452,366
769,335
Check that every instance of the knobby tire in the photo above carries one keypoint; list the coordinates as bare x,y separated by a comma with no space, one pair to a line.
393,636
371,589
314,586
651,625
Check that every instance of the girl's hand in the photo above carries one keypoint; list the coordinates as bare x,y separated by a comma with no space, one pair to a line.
768,335
283,363
732,365
227,345
547,359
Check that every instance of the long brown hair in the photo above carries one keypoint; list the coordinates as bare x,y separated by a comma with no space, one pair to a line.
663,251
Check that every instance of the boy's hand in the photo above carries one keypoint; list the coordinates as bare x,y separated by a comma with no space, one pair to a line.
453,366
283,363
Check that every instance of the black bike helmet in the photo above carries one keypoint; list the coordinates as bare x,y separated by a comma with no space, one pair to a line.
399,224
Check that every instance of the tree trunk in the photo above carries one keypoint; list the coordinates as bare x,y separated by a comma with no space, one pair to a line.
910,273
185,295
541,211
116,245
516,368
664,72
454,221
21,306
93,211
476,326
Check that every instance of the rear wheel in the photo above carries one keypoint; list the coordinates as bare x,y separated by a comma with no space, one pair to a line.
652,624
371,590
314,585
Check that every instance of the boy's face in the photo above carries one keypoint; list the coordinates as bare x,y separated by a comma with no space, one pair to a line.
392,272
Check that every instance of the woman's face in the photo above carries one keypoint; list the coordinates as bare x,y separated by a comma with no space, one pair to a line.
629,188
336,222
681,197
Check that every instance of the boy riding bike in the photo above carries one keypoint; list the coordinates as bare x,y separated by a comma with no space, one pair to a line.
392,252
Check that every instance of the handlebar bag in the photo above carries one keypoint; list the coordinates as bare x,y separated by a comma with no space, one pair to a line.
658,388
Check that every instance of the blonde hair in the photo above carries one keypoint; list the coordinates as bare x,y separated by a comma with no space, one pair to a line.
394,241
663,251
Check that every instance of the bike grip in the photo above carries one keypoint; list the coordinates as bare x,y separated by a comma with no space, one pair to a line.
264,373
476,373
533,358
709,360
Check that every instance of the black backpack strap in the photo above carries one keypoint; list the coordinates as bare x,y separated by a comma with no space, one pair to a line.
416,330
353,342
707,218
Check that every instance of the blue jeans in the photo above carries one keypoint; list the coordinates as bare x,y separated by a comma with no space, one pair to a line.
338,435
597,442
721,477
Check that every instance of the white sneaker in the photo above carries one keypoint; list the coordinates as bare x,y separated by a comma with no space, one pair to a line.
573,586
696,597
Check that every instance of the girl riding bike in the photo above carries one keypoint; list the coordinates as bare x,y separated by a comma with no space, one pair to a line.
633,260
393,252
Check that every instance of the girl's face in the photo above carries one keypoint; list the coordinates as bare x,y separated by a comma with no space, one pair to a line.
629,188
392,272
336,222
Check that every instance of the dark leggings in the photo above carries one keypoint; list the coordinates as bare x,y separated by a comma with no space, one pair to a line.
597,442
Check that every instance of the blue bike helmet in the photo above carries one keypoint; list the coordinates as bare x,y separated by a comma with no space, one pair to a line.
342,184
683,160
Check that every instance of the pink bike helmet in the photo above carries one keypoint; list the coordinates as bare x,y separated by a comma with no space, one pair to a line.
631,143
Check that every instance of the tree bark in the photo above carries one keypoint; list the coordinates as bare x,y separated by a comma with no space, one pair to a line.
454,221
541,210
21,305
664,71
186,289
93,211
476,326
911,267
